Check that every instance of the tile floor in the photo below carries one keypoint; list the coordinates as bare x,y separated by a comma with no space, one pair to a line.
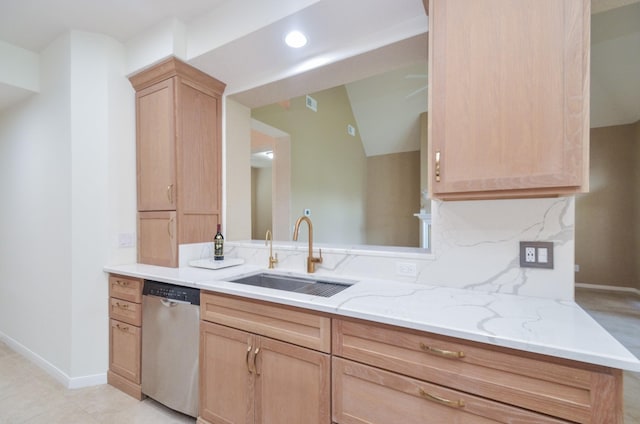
29,396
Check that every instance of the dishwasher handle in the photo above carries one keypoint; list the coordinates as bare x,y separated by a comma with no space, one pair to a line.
170,303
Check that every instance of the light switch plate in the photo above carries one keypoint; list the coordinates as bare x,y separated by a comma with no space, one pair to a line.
126,240
536,254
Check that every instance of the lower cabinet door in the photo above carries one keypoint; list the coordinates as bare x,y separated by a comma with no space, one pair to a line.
226,375
124,350
245,378
363,394
293,384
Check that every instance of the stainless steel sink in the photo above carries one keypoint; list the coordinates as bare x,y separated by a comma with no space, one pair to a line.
315,287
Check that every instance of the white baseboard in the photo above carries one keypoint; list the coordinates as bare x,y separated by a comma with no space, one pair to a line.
55,372
607,288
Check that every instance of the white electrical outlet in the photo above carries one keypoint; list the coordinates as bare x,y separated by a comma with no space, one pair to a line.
406,269
576,268
530,254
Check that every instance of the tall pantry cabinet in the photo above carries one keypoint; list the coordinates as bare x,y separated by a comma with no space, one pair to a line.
178,139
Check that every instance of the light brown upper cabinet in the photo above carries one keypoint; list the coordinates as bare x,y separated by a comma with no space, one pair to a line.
178,138
508,98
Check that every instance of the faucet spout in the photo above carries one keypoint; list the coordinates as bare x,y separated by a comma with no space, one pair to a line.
311,260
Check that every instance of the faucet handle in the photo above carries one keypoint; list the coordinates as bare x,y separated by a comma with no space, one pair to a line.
273,261
317,260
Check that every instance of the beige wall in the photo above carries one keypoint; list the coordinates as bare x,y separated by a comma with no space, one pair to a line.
328,166
393,196
607,218
637,205
278,219
261,181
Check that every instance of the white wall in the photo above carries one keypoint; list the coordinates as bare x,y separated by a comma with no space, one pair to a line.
35,220
156,43
20,67
67,162
97,86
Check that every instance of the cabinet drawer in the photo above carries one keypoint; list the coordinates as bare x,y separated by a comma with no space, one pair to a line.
363,394
278,322
124,350
125,288
125,311
564,389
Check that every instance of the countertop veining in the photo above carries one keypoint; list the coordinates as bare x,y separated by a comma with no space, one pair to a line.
545,326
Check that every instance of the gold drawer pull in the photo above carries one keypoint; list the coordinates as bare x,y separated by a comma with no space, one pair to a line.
441,352
170,193
169,224
122,328
438,166
122,305
246,359
122,283
255,355
451,403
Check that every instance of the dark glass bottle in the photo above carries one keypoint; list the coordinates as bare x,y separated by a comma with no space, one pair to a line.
218,246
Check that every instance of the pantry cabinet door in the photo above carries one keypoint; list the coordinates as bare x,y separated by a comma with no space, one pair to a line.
156,138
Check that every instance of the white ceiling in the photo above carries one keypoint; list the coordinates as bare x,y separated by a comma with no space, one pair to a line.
33,24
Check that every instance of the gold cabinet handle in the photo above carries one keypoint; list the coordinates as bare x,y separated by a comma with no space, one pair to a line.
438,166
169,228
122,305
122,328
246,359
122,283
170,193
441,352
451,403
255,355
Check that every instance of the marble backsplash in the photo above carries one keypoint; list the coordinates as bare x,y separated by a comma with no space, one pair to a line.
475,245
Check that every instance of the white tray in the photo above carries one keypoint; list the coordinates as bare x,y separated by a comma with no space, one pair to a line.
210,263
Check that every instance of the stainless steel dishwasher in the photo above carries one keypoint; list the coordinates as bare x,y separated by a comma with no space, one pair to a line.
170,340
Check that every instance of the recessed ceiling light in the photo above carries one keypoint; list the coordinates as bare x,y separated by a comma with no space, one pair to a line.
295,39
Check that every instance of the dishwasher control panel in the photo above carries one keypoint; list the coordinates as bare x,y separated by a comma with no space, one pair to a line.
171,292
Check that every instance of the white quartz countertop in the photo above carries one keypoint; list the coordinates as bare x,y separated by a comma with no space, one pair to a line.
557,328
